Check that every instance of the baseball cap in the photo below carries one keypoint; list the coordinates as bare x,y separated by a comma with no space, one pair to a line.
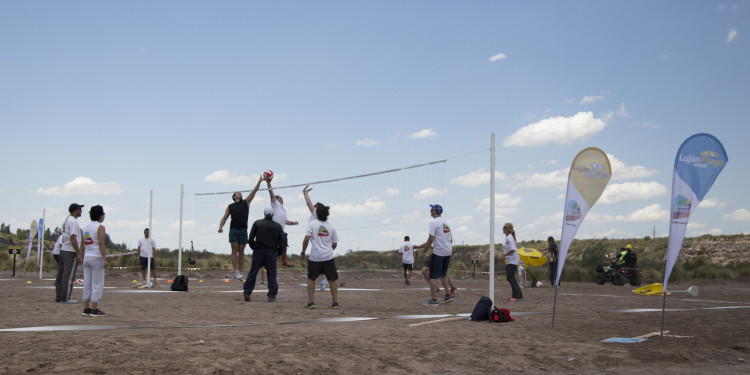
74,206
268,211
438,208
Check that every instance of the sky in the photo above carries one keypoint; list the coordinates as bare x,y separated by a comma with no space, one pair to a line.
112,103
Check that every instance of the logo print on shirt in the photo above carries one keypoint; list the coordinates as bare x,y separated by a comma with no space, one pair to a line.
87,240
323,231
446,229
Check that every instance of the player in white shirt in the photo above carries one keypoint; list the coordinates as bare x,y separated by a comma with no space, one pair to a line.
407,251
94,262
279,216
441,240
513,259
70,255
143,255
310,206
323,238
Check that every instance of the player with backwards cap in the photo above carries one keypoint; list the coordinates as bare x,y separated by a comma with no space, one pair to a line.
441,240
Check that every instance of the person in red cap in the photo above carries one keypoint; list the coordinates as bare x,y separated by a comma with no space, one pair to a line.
70,255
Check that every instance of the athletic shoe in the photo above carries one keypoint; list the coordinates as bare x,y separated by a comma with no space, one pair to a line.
335,306
247,297
287,264
86,311
407,282
70,301
431,302
97,312
262,283
453,290
448,299
322,286
513,299
310,305
237,275
271,299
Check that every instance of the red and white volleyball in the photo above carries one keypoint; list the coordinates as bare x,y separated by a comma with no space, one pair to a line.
268,175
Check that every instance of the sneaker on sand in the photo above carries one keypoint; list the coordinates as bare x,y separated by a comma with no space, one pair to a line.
247,297
513,299
262,283
335,306
287,264
238,275
431,302
407,282
70,301
453,291
271,299
448,299
86,312
323,287
97,312
310,305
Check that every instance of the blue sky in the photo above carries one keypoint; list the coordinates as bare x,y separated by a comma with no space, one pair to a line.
100,103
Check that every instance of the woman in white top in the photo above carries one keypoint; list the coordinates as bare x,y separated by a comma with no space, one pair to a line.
511,255
94,262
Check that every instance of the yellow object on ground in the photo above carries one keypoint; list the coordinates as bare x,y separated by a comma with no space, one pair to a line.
655,289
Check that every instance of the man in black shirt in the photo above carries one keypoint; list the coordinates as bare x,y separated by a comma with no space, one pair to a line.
266,239
239,211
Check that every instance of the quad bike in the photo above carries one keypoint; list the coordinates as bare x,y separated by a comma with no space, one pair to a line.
618,275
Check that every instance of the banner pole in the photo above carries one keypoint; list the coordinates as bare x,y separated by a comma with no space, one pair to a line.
179,244
150,236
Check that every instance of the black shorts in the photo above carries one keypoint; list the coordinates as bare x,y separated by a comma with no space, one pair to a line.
327,267
408,266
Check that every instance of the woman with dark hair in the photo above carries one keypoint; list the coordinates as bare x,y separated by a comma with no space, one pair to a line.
94,262
512,257
553,253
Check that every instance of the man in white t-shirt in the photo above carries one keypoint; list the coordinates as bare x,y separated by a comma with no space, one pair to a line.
279,216
310,206
322,235
143,253
71,253
441,240
407,252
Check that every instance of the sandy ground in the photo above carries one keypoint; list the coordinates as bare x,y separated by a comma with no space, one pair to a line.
211,330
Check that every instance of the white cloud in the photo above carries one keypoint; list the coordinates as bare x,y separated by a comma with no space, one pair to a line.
461,220
477,178
732,34
83,186
632,191
560,130
620,171
651,213
622,112
424,133
504,204
738,215
499,56
696,225
429,192
366,142
370,207
591,99
392,191
595,217
551,180
712,203
224,177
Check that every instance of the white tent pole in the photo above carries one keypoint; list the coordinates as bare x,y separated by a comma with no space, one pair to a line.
492,219
150,251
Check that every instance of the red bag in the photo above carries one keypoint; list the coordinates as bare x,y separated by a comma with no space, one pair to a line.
501,316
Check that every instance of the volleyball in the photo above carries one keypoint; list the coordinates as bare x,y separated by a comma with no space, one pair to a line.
268,175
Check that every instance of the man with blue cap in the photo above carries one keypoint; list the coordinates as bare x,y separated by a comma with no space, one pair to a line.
441,240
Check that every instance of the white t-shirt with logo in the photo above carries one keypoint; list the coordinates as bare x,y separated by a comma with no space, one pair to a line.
407,253
58,245
91,240
509,243
322,237
70,227
143,246
279,213
442,237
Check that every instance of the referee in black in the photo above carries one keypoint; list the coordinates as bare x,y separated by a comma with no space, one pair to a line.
267,240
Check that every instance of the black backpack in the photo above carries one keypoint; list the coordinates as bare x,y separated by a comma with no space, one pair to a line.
481,310
180,283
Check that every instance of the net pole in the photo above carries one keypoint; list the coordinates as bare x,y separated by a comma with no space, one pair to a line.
150,251
179,242
40,251
492,218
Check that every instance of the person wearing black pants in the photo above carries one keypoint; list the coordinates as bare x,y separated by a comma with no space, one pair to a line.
266,239
553,252
511,255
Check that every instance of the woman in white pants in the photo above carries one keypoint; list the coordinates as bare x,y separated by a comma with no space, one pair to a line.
94,262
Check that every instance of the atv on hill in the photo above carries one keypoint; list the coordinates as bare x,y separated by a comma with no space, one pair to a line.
618,275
